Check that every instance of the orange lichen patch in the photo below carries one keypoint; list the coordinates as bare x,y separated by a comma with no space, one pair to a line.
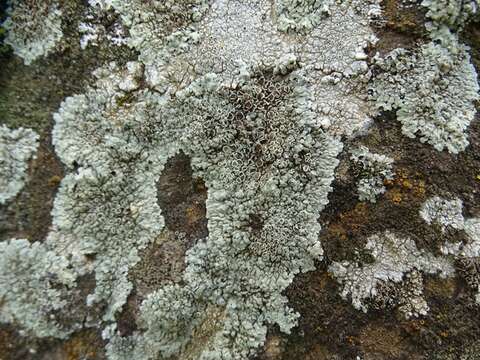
405,187
351,340
395,196
380,340
85,345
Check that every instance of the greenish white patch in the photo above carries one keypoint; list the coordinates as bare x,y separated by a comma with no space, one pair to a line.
433,92
301,15
448,214
17,146
262,229
443,212
374,170
33,28
34,285
395,260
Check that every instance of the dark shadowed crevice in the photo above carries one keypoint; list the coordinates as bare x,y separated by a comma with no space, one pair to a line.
402,26
471,37
181,198
29,214
127,319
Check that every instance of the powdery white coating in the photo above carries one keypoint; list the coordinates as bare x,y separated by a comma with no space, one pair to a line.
394,257
106,204
266,188
233,34
17,146
447,20
433,91
179,42
470,249
33,28
443,212
103,4
448,214
33,285
375,169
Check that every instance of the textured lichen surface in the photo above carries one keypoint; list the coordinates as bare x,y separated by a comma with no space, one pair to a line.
239,179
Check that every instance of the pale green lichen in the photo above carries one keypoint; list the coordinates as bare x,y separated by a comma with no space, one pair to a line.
448,15
34,28
17,146
259,132
262,231
34,285
433,92
396,261
159,30
447,213
433,89
104,206
301,15
374,170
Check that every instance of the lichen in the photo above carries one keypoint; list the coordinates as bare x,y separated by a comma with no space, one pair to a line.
448,15
34,285
300,15
374,170
257,96
448,214
34,28
104,207
433,89
260,233
17,146
392,277
93,30
433,92
159,30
